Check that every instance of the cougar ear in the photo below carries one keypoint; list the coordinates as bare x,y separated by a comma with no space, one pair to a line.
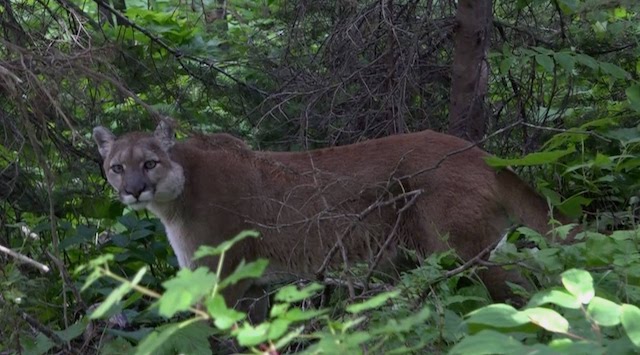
104,139
164,134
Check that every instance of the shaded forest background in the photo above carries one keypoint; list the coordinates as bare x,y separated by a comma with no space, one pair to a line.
557,77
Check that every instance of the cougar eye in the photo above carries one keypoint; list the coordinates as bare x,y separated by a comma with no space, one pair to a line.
150,164
117,168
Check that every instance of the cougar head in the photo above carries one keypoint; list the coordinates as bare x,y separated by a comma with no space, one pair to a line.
138,165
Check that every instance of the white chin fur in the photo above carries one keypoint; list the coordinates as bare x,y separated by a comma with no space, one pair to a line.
139,203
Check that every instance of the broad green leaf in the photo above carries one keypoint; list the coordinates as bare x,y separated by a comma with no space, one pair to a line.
555,296
579,283
282,342
566,61
624,135
73,331
41,345
97,262
188,337
630,318
191,338
488,342
249,335
205,250
633,95
405,324
506,64
296,314
277,328
94,276
153,341
134,335
223,317
538,158
620,12
547,319
116,346
498,315
184,290
291,293
564,230
614,70
373,302
572,206
545,61
625,234
587,61
604,312
243,271
116,295
568,346
568,6
279,309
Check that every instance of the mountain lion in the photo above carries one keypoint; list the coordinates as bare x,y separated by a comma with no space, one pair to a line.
324,208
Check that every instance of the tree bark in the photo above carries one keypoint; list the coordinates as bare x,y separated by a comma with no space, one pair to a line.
470,70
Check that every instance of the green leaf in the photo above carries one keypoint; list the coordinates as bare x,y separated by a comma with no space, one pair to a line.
73,331
498,315
184,290
277,328
116,295
579,283
614,70
506,64
572,206
630,318
538,158
291,293
94,276
282,342
547,319
373,302
188,337
545,61
587,61
116,346
568,346
297,314
405,324
41,345
604,312
251,270
205,250
555,296
249,335
223,317
488,342
633,95
152,342
568,6
566,61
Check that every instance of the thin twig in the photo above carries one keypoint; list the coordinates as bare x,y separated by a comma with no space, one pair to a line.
360,217
390,237
67,279
38,326
25,259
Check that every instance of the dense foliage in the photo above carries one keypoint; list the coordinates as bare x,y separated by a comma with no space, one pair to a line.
564,107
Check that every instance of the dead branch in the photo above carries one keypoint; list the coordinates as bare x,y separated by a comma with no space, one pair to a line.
27,260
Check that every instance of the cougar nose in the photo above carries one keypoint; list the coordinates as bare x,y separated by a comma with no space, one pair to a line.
135,189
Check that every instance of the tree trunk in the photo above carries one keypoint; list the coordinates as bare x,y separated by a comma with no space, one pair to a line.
470,70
